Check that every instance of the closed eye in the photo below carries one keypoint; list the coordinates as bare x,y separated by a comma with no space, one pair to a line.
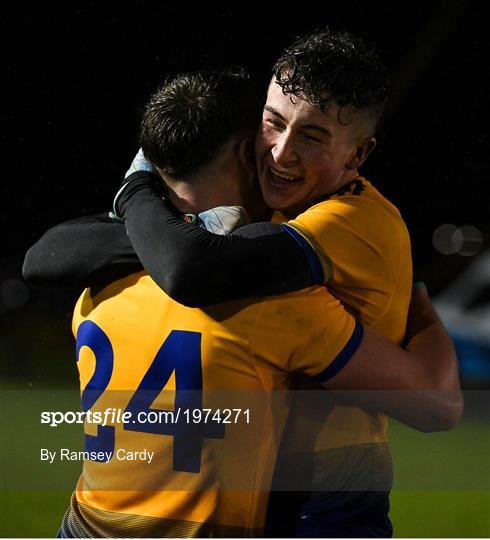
311,138
274,123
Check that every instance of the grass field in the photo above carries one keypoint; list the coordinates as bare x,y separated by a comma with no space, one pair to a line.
442,481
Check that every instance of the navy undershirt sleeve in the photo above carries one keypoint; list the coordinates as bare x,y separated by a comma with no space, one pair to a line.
198,268
79,253
192,265
344,356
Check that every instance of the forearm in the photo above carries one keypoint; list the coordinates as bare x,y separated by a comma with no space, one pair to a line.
419,386
198,268
439,407
81,252
426,394
436,352
423,410
433,399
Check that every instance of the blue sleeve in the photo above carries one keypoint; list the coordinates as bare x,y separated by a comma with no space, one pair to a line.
344,356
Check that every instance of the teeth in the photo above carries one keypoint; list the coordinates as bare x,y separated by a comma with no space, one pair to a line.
285,176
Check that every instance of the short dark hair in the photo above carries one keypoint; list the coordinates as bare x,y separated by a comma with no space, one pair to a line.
334,67
187,121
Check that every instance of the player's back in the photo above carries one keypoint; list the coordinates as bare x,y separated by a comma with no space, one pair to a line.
167,469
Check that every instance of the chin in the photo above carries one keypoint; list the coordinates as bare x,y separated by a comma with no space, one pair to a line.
286,203
272,200
283,208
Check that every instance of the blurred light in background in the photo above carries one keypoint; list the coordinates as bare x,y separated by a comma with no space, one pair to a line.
449,239
472,241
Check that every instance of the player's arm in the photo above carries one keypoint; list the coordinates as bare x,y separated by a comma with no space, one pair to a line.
418,386
81,252
198,268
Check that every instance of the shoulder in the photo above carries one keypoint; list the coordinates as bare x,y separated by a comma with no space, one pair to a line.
113,296
359,209
359,197
318,297
302,331
298,315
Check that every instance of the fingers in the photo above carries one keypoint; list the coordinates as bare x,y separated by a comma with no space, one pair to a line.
419,290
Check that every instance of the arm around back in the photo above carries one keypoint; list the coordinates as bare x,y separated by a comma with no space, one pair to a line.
199,268
418,386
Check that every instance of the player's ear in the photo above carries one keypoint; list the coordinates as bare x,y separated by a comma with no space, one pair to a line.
246,154
362,151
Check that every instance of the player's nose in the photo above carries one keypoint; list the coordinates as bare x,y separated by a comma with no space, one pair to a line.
283,151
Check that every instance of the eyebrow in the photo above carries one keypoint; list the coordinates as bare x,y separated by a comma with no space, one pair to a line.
315,127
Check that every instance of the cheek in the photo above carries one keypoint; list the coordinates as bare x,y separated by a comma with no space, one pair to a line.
263,141
316,162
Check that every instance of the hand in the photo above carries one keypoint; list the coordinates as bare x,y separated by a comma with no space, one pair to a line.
140,163
223,219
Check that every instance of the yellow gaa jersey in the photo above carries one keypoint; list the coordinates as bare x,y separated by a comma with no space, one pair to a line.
185,406
366,254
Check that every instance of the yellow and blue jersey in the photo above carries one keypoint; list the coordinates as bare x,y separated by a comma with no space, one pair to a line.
366,254
138,351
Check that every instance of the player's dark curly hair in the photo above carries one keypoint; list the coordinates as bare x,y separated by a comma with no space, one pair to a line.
191,116
334,67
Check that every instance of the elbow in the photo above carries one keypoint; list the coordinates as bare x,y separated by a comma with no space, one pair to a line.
30,270
446,413
453,410
42,269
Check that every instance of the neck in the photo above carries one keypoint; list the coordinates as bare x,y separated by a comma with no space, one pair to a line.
207,190
223,182
185,198
345,179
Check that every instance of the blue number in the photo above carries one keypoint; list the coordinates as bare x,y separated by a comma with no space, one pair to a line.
90,335
181,352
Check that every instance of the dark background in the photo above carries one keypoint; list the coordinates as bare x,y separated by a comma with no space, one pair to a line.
75,78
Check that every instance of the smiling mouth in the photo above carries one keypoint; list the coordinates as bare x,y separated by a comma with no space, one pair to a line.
282,179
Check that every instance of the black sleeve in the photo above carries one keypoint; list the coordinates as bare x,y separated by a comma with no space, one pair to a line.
198,268
82,252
